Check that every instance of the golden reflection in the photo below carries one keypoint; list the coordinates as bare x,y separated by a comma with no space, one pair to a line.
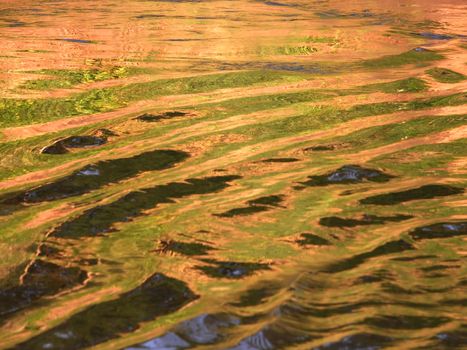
232,174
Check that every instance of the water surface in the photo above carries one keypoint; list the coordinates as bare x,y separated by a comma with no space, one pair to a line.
243,175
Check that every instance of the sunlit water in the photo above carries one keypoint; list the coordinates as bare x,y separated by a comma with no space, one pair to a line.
246,175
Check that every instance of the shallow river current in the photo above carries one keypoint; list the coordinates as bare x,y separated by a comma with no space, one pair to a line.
233,174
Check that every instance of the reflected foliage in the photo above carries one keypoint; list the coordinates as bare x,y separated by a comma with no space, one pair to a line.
159,295
423,192
100,219
41,279
348,174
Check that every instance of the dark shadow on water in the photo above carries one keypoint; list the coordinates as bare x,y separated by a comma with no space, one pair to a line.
273,200
40,280
327,147
335,221
95,176
157,296
61,146
245,211
254,206
385,249
305,310
398,290
83,141
312,239
152,118
438,268
374,277
258,295
423,192
450,339
48,251
55,148
183,248
77,41
230,269
407,322
435,36
456,302
336,14
276,3
280,160
360,341
415,258
440,230
11,23
288,66
100,219
348,174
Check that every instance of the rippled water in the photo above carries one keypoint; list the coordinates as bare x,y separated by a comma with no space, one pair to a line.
246,175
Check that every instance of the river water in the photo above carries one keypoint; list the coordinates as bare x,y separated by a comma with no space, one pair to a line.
234,174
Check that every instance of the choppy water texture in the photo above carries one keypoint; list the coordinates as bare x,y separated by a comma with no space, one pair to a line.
247,175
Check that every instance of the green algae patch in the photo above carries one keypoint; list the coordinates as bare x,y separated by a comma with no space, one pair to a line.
408,85
323,117
60,78
28,111
303,50
444,75
398,86
322,40
320,117
439,101
16,112
431,159
385,134
416,56
328,40
245,105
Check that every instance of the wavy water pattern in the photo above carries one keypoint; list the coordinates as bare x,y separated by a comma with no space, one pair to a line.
243,175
